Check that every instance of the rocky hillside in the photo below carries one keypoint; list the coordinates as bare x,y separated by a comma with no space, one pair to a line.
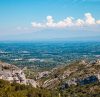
78,73
13,74
79,79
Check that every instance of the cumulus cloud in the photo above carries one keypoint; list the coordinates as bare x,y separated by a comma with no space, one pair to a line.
79,22
67,22
89,19
50,22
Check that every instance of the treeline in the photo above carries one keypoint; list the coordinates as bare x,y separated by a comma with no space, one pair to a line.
89,90
17,90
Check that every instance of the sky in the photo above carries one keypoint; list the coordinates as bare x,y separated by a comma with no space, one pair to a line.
29,20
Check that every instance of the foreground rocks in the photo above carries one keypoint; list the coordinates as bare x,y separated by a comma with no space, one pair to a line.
14,74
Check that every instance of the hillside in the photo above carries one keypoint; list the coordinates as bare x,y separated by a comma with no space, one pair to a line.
17,90
78,79
13,74
77,73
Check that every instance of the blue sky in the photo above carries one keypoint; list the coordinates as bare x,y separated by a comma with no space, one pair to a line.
49,19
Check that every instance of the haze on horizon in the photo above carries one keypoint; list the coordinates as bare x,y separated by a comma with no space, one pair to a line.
29,20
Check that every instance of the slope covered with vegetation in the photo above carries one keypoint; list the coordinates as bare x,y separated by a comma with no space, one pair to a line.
79,79
17,90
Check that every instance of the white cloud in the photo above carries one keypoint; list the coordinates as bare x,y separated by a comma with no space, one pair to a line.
80,22
37,25
50,22
89,19
50,19
67,22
